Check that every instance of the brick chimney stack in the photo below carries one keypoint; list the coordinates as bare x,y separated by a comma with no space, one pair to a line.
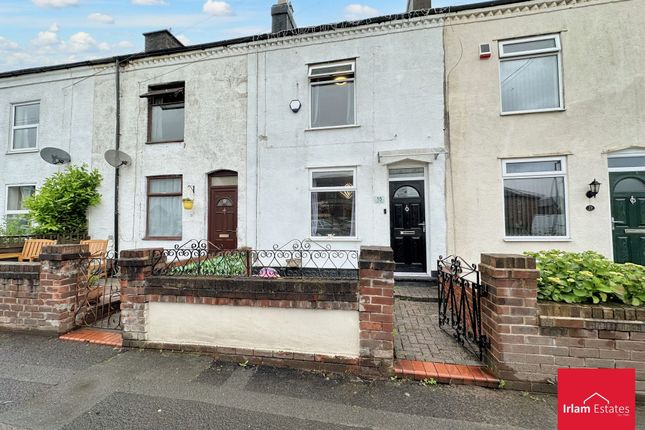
419,5
282,16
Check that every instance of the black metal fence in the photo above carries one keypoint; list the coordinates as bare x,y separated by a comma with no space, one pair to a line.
98,296
295,259
460,293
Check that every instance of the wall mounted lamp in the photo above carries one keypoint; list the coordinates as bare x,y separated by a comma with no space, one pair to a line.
594,188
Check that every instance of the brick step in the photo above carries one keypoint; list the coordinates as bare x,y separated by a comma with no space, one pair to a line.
445,373
96,336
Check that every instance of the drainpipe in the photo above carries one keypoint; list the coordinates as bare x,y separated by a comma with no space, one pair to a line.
117,145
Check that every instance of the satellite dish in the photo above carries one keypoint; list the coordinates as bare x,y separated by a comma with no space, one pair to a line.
55,156
117,158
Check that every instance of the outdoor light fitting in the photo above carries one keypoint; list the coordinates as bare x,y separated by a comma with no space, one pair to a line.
594,187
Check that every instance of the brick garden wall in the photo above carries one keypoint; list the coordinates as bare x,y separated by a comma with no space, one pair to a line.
372,297
41,296
530,340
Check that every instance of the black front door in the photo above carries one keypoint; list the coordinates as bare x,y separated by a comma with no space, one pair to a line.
628,216
407,226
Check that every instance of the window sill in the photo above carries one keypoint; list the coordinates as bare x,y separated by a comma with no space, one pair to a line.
538,239
174,239
163,141
524,112
23,151
335,127
334,239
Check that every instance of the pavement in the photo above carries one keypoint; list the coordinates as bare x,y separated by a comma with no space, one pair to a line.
46,383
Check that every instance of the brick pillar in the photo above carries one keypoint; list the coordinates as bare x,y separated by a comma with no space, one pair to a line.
376,308
135,266
60,275
510,316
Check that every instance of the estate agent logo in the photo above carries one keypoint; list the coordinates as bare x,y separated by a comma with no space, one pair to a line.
596,399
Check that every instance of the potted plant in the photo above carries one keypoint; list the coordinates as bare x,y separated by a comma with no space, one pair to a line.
188,203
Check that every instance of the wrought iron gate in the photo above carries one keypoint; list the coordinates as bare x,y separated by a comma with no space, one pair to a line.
460,293
98,296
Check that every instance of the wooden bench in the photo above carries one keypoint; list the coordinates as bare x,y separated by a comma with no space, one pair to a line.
32,248
98,251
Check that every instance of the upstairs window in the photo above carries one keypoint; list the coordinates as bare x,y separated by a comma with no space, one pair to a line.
16,196
166,112
24,126
531,74
333,203
332,94
535,198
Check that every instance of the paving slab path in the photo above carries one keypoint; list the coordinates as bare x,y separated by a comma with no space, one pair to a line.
418,336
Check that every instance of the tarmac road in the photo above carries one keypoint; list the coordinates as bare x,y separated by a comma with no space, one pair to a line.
50,384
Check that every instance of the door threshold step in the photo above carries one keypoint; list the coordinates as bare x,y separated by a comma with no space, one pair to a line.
445,373
415,278
96,336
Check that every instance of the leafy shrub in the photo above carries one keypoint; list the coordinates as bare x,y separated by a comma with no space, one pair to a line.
230,265
588,277
61,204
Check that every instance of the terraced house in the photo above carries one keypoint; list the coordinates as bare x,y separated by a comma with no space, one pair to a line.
544,100
462,130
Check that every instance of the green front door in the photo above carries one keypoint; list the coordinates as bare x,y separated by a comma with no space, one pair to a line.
628,213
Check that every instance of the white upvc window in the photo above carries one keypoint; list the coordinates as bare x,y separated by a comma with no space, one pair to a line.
333,97
535,199
333,202
530,73
25,118
15,199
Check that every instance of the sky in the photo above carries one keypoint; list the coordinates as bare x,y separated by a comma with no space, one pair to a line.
44,32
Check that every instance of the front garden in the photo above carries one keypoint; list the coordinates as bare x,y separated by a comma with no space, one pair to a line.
588,277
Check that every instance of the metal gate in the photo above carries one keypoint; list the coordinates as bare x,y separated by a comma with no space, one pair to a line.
460,293
98,296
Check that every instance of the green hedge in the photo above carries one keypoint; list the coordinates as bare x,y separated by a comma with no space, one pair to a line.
588,277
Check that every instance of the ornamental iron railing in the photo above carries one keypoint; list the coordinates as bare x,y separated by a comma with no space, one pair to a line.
460,293
98,296
295,259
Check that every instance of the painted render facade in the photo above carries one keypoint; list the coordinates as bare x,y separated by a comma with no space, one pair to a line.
603,84
399,124
214,138
66,114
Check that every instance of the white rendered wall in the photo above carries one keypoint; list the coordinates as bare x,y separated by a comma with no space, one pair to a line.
66,121
399,105
603,62
313,331
214,139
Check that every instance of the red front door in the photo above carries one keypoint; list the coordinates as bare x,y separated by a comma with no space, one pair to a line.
222,217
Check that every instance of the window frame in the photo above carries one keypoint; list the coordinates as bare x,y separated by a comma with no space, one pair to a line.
546,52
150,103
15,127
8,211
317,80
537,175
149,179
312,189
